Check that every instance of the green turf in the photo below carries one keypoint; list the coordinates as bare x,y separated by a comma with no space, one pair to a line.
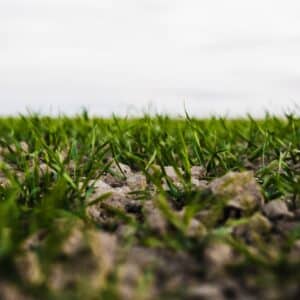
32,200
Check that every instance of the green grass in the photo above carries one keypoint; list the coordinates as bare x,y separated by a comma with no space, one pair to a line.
75,151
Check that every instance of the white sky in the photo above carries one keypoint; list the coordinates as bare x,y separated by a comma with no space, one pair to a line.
232,56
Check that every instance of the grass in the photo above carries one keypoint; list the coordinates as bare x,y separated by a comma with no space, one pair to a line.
48,167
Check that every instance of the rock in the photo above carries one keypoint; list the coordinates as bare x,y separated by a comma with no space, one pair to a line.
296,213
254,229
9,291
104,248
173,177
154,217
120,169
239,190
74,242
195,229
102,212
117,199
122,190
128,277
100,187
24,146
199,184
27,262
170,172
136,182
205,291
85,255
209,217
294,255
217,256
117,174
44,169
131,273
34,241
89,262
232,289
259,224
4,182
29,268
276,209
198,172
285,227
170,271
112,180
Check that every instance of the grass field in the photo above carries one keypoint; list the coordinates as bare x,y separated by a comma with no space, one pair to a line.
149,208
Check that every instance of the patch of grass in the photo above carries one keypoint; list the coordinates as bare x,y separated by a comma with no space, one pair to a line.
48,168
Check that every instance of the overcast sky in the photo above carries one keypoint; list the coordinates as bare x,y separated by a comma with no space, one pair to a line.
120,56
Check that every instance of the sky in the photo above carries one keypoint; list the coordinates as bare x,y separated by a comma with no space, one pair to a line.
129,56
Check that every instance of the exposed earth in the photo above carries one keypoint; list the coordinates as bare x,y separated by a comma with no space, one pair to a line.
226,221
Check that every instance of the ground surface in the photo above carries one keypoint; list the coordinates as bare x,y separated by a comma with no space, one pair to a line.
152,208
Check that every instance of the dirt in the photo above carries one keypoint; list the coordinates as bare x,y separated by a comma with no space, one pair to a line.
88,256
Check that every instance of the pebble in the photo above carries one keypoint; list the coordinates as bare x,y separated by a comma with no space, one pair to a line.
240,189
276,209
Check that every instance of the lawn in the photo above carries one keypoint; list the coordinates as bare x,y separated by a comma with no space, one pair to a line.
149,208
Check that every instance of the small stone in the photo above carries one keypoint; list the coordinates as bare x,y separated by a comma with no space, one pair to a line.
102,212
170,172
27,262
217,256
116,199
123,190
23,146
198,172
297,213
44,169
256,226
240,190
91,260
4,182
172,176
276,209
205,291
208,217
294,255
100,187
286,226
74,242
136,182
199,184
196,229
117,174
129,275
260,224
132,271
120,169
104,248
34,241
9,291
154,217
29,268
